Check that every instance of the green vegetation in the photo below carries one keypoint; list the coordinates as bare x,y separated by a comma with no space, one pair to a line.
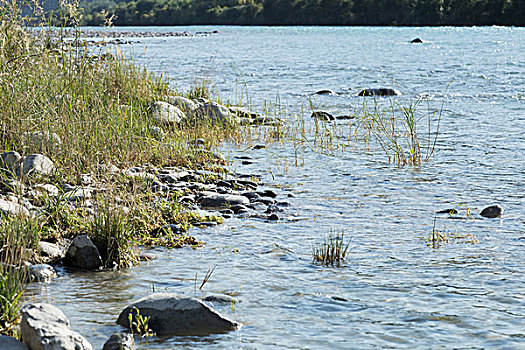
139,324
332,251
306,12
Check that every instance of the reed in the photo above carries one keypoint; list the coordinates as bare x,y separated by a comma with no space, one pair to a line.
332,251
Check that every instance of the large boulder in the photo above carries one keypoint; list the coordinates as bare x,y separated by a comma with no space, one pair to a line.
8,343
172,314
37,164
83,254
219,200
182,103
10,162
166,114
214,113
45,327
11,208
379,92
120,341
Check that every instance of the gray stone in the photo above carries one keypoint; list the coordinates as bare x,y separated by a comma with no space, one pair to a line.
8,343
48,189
183,103
49,250
10,162
10,208
120,341
322,115
37,164
222,200
214,113
221,299
83,254
325,92
45,327
166,114
174,177
43,139
41,273
494,211
379,92
172,314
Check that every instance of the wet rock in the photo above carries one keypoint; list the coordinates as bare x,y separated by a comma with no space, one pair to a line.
322,115
10,162
43,139
246,183
268,121
265,200
273,209
416,41
164,230
166,114
251,195
41,273
237,208
83,254
267,193
345,117
120,341
226,212
49,250
184,104
243,113
273,217
11,208
494,211
215,113
45,327
447,211
325,92
379,92
222,200
8,343
257,206
37,164
172,314
256,147
335,297
221,299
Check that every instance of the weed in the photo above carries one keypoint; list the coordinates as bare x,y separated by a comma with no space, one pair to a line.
332,251
139,324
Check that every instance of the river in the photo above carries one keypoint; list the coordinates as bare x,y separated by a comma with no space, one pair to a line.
394,291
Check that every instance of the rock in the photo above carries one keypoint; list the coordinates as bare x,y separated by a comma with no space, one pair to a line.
83,254
174,177
221,299
416,41
10,162
162,231
256,147
166,114
267,193
447,211
8,343
10,208
45,327
43,139
37,164
48,189
49,250
266,200
172,314
184,104
345,117
12,185
214,113
322,115
238,208
325,92
243,113
268,121
41,273
273,217
379,92
120,341
494,211
222,200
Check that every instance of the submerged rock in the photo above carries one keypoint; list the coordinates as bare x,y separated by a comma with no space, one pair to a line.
322,115
416,41
120,341
494,211
325,92
172,314
9,343
41,273
447,211
379,92
83,254
166,114
45,327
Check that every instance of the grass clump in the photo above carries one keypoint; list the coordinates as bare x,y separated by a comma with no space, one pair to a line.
332,251
438,238
19,237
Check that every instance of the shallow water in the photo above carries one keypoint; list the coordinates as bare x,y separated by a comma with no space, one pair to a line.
400,293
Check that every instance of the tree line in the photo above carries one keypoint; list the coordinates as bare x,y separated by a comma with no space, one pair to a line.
306,12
